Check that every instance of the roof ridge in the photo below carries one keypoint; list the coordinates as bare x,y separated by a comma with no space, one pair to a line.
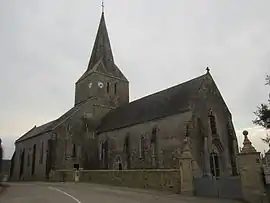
26,133
50,125
172,87
199,88
46,125
163,103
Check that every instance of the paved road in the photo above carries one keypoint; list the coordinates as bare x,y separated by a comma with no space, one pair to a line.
90,193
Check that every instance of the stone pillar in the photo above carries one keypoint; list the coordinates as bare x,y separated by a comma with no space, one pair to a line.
76,175
186,170
52,176
250,169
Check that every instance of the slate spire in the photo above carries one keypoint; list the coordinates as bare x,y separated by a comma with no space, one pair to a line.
102,57
102,48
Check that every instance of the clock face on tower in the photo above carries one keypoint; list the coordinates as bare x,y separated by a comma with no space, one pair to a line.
90,85
100,85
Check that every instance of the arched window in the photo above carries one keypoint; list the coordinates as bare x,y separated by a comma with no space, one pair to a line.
41,152
106,154
74,150
115,88
154,147
127,150
142,146
187,130
34,159
66,147
101,151
22,162
213,125
108,87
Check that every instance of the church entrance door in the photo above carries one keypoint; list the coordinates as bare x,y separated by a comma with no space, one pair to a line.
218,186
215,164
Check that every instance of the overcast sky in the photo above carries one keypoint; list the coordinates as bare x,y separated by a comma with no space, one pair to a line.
45,47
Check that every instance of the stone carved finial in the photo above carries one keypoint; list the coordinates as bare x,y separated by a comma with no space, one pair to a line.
247,145
186,149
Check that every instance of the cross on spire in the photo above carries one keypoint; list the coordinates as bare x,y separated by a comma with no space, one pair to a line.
207,69
102,6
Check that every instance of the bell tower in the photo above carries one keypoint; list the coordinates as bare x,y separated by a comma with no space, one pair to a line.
102,80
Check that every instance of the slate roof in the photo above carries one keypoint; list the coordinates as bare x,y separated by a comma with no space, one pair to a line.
35,131
164,103
102,54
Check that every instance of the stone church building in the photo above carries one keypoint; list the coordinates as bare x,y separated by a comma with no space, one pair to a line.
104,130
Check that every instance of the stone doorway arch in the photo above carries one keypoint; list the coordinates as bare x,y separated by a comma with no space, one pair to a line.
216,158
118,163
215,164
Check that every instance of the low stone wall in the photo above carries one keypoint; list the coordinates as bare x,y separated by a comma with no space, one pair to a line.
168,180
62,175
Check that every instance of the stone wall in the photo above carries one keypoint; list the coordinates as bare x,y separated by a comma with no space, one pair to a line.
27,146
89,87
250,168
170,132
209,99
167,180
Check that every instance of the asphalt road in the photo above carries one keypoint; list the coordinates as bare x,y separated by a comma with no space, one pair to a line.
90,193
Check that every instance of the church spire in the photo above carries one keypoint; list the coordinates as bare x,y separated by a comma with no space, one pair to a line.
101,59
102,48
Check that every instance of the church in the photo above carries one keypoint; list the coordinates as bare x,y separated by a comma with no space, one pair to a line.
104,130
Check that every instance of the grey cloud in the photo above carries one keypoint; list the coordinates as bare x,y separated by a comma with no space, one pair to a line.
46,46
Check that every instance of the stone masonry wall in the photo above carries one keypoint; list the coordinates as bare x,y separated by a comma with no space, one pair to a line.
169,139
168,180
77,131
40,160
210,99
